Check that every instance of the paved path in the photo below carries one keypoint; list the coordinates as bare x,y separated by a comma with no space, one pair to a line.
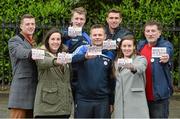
3,105
174,106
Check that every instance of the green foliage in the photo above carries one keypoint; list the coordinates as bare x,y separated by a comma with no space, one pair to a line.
54,12
53,9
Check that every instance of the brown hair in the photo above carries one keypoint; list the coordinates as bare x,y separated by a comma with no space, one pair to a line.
153,22
26,16
46,40
79,10
95,26
114,10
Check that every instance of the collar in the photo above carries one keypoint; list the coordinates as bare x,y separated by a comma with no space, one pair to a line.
115,30
29,39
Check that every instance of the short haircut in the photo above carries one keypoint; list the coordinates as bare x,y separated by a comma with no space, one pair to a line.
114,10
153,22
97,26
26,16
79,10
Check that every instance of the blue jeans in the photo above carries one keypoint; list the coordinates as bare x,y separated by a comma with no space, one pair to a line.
159,108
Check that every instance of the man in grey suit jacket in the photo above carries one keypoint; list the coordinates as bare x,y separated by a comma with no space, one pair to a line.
24,71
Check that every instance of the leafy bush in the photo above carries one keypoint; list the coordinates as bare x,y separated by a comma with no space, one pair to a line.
57,12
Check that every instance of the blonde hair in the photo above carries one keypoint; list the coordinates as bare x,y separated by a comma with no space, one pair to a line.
79,10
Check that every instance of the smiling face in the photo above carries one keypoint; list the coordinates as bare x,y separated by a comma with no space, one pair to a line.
28,26
113,20
98,36
152,34
127,48
78,20
54,42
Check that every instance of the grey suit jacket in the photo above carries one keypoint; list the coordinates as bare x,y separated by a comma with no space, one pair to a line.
24,71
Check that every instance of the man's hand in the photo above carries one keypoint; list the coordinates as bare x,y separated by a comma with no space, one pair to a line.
164,58
89,56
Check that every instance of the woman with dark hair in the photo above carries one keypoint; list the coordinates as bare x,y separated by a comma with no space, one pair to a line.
129,70
53,96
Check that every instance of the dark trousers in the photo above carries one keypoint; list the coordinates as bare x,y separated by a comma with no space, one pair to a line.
159,109
92,109
74,81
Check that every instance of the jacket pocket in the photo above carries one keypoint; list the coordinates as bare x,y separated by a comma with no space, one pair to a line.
50,95
137,89
23,75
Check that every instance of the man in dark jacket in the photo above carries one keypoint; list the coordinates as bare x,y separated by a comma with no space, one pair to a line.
73,41
158,75
94,95
113,29
78,19
23,86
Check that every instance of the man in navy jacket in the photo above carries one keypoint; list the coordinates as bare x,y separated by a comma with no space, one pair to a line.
114,29
78,19
94,95
158,75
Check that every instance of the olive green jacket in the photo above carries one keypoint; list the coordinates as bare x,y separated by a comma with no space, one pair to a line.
53,95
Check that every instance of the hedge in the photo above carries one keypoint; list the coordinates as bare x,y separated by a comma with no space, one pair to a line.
56,12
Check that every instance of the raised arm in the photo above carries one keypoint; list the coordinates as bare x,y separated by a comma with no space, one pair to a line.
18,49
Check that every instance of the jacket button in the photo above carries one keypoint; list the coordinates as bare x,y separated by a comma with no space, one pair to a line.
152,59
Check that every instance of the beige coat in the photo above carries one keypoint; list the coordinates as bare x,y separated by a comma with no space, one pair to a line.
130,99
53,95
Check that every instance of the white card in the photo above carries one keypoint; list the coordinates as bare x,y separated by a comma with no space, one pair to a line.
38,54
94,50
121,62
64,58
68,58
109,44
74,31
157,52
78,31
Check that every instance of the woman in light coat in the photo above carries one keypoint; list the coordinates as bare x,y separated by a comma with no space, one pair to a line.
53,95
129,70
